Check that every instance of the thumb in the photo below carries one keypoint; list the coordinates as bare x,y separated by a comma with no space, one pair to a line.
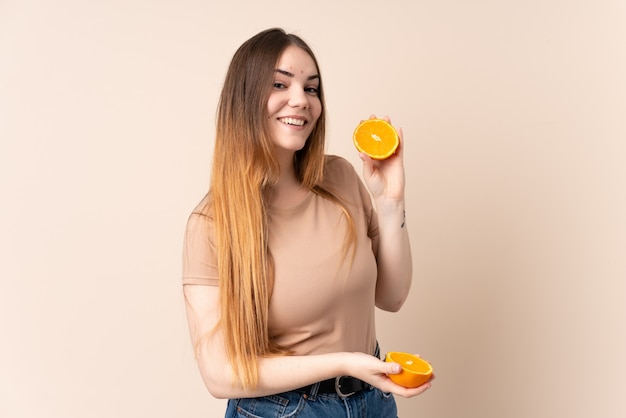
367,164
392,368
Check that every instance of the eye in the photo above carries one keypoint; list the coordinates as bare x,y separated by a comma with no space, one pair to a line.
312,90
278,85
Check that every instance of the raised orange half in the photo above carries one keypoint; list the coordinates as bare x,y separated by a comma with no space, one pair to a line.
415,370
376,138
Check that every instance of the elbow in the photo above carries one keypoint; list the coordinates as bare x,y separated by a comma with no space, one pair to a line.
392,290
218,388
392,305
217,380
395,307
391,300
217,392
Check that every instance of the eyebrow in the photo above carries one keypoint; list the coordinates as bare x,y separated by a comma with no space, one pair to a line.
288,74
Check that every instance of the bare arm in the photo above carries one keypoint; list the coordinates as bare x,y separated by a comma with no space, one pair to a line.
386,181
395,266
276,374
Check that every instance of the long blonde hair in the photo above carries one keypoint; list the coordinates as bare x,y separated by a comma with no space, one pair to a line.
245,169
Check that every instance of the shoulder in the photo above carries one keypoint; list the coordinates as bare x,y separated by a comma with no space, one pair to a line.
341,177
202,208
338,170
200,225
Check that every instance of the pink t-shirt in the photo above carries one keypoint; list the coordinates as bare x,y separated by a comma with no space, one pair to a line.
322,301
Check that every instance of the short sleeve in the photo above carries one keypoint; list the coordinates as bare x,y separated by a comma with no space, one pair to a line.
199,259
342,178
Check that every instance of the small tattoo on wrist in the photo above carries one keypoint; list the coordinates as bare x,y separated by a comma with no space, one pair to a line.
403,218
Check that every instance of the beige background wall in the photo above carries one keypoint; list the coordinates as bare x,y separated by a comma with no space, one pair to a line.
514,116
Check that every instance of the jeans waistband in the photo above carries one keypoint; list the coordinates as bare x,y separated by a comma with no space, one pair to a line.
343,386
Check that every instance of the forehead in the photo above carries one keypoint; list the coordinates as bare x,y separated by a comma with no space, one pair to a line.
297,61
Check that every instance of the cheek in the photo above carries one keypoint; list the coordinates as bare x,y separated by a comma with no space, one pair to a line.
318,112
316,109
273,105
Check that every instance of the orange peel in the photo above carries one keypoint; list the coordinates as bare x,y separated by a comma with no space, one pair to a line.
415,370
376,138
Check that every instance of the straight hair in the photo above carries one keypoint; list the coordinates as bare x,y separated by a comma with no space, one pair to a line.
245,170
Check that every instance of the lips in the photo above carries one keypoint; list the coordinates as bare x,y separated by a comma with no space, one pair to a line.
293,121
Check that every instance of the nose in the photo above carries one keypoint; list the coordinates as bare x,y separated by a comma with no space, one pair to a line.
298,97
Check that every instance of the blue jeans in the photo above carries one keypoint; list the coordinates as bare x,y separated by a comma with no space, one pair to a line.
369,403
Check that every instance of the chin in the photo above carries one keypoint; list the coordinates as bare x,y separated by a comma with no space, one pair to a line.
292,146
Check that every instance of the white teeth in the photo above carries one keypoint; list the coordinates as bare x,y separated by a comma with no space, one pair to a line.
292,121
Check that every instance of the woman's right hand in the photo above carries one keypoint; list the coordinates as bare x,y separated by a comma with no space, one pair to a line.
375,372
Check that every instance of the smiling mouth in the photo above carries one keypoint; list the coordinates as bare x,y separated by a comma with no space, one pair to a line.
292,121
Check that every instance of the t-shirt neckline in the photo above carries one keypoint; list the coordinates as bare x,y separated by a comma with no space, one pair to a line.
298,206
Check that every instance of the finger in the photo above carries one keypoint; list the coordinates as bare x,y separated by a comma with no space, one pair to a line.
368,164
411,392
392,368
420,389
400,149
372,116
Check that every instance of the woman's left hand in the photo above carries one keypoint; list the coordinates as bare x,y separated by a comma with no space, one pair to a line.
376,372
385,178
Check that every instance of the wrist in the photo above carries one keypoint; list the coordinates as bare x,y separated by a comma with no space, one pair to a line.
391,213
389,206
345,364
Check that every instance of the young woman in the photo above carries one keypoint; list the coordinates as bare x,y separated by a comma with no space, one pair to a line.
286,257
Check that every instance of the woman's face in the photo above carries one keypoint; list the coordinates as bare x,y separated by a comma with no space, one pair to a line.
294,106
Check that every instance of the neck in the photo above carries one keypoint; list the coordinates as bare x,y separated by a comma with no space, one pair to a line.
287,169
288,190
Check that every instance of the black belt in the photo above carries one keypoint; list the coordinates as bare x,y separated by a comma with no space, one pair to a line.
343,386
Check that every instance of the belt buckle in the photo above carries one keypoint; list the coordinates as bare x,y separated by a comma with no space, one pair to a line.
338,388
